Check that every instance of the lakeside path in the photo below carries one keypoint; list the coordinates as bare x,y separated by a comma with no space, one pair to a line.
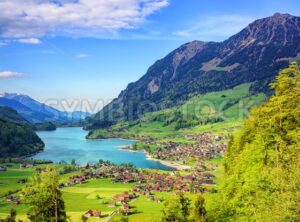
171,164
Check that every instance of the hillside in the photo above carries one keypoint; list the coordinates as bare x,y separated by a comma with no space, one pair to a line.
253,55
16,135
225,107
37,112
11,115
46,126
262,163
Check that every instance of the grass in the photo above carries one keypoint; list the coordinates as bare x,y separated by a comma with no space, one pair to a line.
78,199
146,210
9,179
149,211
232,106
91,195
9,182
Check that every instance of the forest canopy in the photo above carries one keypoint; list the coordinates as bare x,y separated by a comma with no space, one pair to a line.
262,164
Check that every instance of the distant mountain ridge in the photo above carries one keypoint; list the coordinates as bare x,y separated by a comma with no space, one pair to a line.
36,112
254,55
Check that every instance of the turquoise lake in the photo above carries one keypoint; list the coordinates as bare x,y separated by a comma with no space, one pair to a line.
66,144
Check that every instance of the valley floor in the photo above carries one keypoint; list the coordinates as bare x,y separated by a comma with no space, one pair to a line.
95,194
189,149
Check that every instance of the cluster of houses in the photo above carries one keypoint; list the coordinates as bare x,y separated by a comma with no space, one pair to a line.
116,173
123,199
2,169
26,165
5,166
13,199
93,213
147,182
120,200
205,147
156,182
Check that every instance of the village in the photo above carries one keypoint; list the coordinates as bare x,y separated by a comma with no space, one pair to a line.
205,147
197,179
146,183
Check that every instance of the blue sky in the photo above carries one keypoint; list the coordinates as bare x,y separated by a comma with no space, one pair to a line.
70,50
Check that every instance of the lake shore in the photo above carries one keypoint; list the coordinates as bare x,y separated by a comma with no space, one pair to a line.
168,163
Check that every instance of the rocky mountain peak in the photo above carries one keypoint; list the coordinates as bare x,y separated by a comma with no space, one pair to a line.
279,29
254,55
278,15
276,29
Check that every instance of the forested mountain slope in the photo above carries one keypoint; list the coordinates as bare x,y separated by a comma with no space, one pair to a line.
262,164
16,136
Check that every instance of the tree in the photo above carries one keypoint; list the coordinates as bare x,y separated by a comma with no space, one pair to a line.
184,206
262,162
200,214
176,209
45,198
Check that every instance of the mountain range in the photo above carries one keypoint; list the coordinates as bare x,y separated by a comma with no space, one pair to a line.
36,112
254,55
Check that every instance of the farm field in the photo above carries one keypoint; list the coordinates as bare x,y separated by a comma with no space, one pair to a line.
78,199
94,195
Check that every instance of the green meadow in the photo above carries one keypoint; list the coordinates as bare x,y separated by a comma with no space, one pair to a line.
78,199
222,112
94,194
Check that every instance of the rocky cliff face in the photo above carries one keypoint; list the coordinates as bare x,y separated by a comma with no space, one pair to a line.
255,55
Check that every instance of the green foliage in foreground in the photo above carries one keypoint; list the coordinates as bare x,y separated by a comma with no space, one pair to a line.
262,164
178,209
45,198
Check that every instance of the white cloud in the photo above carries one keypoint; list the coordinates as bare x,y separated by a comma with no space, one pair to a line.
82,56
36,18
215,27
33,41
9,74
